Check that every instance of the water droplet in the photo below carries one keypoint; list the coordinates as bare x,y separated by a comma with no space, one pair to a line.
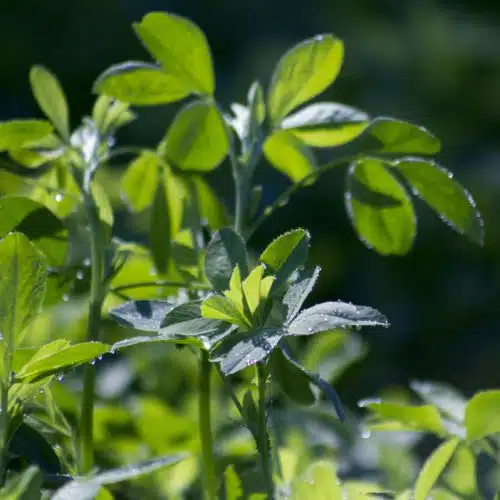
65,297
87,262
310,329
80,275
60,377
366,434
42,391
99,358
93,362
58,197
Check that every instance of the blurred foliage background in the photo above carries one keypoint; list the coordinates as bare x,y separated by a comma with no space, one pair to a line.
432,62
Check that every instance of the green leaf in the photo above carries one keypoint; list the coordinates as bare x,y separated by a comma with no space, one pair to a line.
304,72
108,114
141,84
319,482
452,202
211,208
379,208
219,307
285,254
331,315
433,468
37,223
101,199
144,315
395,136
17,134
86,488
234,489
64,359
418,418
197,139
181,49
140,181
22,286
289,155
51,99
29,444
160,230
461,475
326,124
482,415
298,292
241,350
26,485
225,251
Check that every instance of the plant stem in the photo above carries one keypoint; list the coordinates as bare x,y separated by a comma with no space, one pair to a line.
97,293
4,426
263,438
146,284
205,422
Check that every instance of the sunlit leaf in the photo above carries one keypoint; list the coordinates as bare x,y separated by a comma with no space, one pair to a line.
144,315
103,203
51,99
16,134
461,474
140,180
289,155
197,138
25,485
181,49
379,208
482,415
326,124
452,202
141,84
395,136
298,292
234,489
303,72
433,468
319,482
211,207
22,286
241,350
219,307
331,315
225,251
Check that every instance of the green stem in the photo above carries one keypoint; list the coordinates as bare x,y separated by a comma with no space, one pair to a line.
97,293
283,198
204,417
4,427
147,284
263,444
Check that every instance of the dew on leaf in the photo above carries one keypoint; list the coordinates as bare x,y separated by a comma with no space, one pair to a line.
80,275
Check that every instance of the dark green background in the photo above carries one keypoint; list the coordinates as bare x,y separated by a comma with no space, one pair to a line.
434,63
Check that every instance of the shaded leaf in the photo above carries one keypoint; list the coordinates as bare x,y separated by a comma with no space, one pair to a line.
16,134
298,292
225,251
144,315
326,124
181,49
141,84
303,72
433,468
197,138
22,286
289,155
482,415
140,181
452,202
379,208
211,208
160,230
26,485
51,99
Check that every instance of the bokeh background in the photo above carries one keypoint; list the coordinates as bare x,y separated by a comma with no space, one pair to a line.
436,63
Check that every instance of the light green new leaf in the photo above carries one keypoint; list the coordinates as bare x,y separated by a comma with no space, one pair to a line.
160,230
101,199
326,124
241,350
482,415
140,181
319,482
108,114
140,84
51,99
62,360
433,468
331,315
225,251
23,486
86,488
23,279
210,206
234,489
197,138
418,418
453,203
304,72
181,49
17,134
285,254
218,307
289,155
379,208
395,136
